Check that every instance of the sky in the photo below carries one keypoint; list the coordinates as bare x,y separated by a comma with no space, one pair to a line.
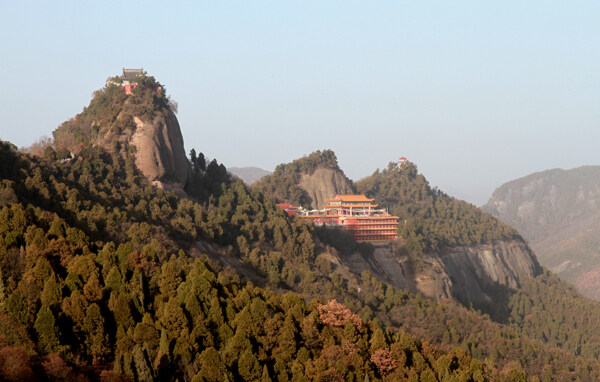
476,93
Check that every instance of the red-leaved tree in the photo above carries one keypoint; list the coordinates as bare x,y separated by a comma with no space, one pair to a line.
335,314
384,361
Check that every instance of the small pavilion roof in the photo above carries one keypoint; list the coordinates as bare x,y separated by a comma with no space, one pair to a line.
130,74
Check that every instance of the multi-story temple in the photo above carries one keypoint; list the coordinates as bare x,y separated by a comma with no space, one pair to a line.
358,214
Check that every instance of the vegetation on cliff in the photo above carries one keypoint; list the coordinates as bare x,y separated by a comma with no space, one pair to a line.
112,111
283,185
429,218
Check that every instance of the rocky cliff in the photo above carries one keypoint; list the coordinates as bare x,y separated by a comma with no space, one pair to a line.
308,181
160,154
324,184
469,274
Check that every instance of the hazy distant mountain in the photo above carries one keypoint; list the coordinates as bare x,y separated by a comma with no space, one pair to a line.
248,174
558,211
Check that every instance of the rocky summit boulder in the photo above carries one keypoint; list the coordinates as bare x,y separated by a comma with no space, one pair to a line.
160,154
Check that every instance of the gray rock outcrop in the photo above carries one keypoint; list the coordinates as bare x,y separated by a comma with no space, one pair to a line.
160,154
324,184
469,274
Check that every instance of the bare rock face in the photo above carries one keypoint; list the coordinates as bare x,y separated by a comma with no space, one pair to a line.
469,274
475,271
160,154
324,184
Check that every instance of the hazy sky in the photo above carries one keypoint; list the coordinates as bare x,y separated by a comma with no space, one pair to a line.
476,93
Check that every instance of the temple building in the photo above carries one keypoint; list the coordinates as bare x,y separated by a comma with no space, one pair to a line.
288,208
358,214
127,79
128,76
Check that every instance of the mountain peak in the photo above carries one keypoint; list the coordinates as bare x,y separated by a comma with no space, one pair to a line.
132,113
308,181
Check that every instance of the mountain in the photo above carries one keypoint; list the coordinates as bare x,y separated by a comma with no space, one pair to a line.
558,212
308,181
84,300
104,276
447,247
248,174
142,122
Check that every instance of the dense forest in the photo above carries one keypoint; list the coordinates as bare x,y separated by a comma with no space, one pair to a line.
83,256
89,289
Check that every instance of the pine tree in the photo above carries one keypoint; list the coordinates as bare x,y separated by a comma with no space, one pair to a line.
93,326
47,331
142,365
212,368
51,294
2,294
265,377
92,290
248,366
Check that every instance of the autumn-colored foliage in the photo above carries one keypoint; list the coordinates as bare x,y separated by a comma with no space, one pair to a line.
384,361
335,314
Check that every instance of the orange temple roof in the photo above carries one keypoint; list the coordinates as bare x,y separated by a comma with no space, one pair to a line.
350,206
286,206
350,198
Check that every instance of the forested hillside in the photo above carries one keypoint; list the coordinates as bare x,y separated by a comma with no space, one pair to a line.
82,258
97,281
106,277
429,218
290,183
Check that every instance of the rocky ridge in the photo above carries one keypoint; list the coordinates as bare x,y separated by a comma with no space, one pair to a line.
141,124
474,274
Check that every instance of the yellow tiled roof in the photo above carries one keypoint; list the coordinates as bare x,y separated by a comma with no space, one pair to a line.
350,206
351,198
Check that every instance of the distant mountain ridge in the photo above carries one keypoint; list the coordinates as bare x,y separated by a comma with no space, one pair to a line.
248,174
558,212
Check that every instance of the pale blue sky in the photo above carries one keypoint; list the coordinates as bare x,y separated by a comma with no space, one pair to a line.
474,92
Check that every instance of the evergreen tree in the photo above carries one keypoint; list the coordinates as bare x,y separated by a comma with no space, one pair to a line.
47,331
